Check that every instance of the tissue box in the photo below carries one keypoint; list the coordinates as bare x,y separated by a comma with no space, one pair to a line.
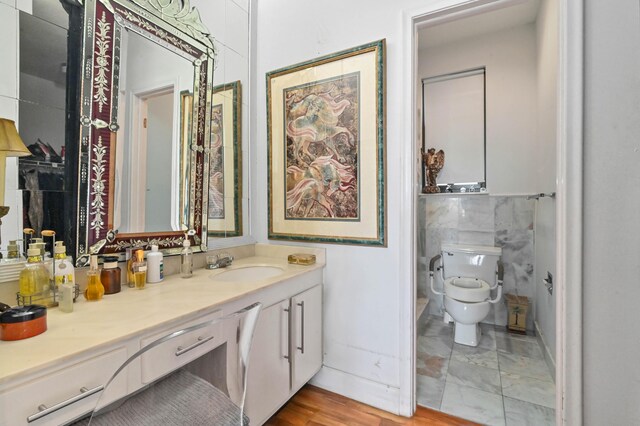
517,307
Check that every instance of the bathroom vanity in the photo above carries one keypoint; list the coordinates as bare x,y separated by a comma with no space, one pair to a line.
67,366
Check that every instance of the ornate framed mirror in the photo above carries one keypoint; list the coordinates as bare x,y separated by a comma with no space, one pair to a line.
139,58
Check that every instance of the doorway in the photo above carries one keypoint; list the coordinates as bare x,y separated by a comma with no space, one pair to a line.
566,116
150,149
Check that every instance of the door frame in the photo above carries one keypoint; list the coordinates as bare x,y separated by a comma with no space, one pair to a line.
138,98
568,199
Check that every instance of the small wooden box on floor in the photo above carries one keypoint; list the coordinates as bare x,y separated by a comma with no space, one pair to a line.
517,306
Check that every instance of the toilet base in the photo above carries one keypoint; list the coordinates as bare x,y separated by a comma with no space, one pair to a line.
447,318
467,334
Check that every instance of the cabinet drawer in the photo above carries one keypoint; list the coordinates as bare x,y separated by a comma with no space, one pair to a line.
172,354
63,389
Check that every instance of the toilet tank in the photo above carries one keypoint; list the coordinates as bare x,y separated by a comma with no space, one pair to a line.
470,261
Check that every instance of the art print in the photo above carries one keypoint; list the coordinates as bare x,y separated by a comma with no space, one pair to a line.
322,140
326,148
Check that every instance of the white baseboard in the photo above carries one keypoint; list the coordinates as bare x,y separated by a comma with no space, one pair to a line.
548,356
366,391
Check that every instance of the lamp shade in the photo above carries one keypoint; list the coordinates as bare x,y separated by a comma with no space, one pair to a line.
11,144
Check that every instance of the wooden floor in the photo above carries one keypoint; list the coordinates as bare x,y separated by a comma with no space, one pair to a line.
315,406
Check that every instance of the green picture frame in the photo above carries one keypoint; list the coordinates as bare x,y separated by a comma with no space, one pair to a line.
326,148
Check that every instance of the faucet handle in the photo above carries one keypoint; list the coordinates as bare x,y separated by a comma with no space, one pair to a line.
212,261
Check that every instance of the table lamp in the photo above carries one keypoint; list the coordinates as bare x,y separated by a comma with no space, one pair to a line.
11,145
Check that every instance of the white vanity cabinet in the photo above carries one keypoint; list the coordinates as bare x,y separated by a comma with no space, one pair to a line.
285,354
49,379
61,395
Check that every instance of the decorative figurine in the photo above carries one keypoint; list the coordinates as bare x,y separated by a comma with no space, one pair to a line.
433,162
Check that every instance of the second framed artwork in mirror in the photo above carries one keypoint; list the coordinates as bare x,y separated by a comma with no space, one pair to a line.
224,214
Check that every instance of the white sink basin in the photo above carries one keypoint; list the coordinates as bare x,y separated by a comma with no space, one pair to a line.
248,273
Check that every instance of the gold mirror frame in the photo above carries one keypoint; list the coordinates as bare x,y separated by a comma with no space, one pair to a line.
175,25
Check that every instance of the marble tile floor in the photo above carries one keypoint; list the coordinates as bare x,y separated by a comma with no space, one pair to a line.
503,381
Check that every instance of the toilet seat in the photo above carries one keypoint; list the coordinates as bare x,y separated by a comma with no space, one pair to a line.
467,289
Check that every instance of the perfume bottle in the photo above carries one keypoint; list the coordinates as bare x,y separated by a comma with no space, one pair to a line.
139,270
95,289
61,270
129,257
186,259
34,278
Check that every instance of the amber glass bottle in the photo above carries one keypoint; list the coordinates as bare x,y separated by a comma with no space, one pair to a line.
111,275
95,289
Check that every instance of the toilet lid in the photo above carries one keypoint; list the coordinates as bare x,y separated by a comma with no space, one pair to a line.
467,289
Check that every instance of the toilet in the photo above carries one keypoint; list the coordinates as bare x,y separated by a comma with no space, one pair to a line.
467,272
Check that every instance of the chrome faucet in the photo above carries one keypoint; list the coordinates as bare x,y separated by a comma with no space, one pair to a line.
217,261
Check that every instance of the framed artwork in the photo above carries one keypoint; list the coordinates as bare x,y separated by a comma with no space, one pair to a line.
326,121
186,108
224,213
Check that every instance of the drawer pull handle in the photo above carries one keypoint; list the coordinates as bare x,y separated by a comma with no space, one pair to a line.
288,355
45,411
301,347
201,341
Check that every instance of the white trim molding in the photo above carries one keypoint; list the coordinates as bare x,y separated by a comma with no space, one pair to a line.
382,396
569,214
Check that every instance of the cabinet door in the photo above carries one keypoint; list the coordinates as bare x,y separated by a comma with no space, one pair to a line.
269,369
306,329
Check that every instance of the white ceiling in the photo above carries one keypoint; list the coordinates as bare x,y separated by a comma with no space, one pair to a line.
473,26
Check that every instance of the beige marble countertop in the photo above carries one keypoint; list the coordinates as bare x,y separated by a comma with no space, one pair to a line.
119,316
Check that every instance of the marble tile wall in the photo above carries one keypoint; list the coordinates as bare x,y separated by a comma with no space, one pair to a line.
501,221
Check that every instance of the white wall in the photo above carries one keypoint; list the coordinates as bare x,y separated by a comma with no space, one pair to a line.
361,295
611,236
545,219
510,60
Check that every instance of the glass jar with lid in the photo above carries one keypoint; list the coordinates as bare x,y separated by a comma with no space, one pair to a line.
111,275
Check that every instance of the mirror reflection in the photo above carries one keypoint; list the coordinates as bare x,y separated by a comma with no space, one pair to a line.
149,143
149,179
42,112
225,162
